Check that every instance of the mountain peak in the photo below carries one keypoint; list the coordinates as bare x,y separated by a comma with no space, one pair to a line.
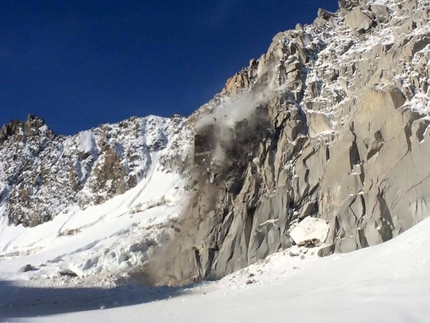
33,126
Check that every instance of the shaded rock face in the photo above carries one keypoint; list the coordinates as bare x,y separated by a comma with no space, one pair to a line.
342,106
42,174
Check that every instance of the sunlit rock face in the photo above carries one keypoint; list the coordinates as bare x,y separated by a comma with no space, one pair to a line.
330,123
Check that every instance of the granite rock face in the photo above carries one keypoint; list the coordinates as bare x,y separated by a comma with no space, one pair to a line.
331,123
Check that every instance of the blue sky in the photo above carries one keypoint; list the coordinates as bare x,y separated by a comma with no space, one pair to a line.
82,63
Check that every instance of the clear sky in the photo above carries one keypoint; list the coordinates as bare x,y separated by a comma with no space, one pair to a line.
82,63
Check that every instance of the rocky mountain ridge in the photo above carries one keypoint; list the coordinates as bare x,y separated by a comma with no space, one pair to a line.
42,174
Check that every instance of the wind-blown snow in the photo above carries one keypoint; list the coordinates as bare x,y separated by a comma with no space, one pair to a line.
87,142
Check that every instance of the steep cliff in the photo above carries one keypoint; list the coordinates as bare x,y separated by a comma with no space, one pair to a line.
330,123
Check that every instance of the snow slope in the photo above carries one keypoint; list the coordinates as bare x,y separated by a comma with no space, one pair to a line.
104,239
385,283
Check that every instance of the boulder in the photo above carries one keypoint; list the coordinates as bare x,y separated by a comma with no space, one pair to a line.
67,273
27,268
310,229
326,251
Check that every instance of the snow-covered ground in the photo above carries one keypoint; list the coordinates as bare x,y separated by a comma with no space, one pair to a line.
385,283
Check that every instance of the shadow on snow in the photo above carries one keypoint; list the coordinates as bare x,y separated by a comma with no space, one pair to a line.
23,302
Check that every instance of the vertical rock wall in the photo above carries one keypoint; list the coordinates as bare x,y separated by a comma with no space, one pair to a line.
336,128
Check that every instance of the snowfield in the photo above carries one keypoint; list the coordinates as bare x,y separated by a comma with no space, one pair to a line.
100,240
385,283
